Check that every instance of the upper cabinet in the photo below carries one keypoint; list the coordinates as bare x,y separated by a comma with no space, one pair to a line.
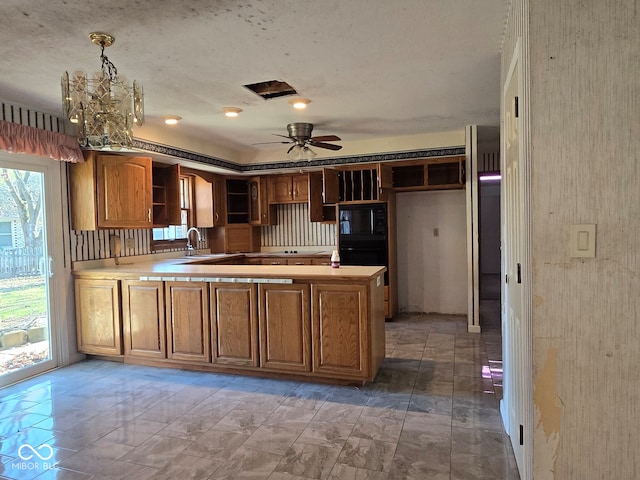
111,191
166,195
288,188
433,174
359,183
219,201
203,199
237,200
260,211
319,209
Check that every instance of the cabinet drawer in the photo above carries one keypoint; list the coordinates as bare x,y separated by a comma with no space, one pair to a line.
321,261
274,261
298,261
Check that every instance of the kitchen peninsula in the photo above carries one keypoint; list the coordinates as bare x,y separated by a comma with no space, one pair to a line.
308,322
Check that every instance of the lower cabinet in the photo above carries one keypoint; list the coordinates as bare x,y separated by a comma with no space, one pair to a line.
187,314
316,330
339,329
285,337
234,324
143,319
98,322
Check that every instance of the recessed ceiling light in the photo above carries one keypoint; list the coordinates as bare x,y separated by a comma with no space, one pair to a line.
171,119
231,111
299,103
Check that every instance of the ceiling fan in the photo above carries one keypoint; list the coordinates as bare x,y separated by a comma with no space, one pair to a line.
300,136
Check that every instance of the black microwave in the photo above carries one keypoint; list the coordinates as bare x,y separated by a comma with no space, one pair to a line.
362,221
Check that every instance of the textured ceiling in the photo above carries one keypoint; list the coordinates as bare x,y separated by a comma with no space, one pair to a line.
372,68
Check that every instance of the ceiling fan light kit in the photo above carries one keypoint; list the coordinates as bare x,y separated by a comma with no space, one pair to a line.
301,153
300,136
104,107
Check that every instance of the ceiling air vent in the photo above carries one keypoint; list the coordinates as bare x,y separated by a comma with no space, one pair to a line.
272,89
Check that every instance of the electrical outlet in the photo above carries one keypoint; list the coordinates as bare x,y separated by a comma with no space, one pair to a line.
436,232
114,244
129,243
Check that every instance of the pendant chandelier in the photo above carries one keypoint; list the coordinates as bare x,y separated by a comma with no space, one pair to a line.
105,107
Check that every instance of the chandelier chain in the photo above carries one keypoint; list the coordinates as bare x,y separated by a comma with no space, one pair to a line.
107,66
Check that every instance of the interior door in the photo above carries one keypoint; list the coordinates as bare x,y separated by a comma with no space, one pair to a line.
28,231
515,339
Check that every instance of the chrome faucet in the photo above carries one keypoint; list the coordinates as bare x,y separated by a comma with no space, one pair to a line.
190,248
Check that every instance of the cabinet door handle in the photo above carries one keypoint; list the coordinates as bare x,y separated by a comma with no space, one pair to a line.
217,216
149,215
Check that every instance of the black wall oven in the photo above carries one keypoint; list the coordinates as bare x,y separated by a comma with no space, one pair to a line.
362,235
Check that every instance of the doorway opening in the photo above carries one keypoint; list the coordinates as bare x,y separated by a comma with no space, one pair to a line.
489,242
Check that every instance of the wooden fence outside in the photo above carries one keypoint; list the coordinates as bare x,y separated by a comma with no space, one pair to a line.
21,262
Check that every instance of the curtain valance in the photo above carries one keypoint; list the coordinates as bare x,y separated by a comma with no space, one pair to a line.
16,138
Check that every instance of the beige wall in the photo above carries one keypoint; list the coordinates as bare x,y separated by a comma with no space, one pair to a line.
175,137
432,271
365,147
583,141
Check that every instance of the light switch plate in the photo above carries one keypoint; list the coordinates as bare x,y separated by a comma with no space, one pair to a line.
582,241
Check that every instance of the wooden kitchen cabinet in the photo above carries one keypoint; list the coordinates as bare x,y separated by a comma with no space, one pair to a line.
321,260
237,201
299,261
187,320
362,183
98,322
274,261
166,195
288,188
111,191
319,211
285,327
339,329
234,324
325,326
203,199
143,319
431,174
261,212
219,202
237,238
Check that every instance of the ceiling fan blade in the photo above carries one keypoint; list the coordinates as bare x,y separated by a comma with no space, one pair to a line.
266,143
291,148
283,136
326,138
328,146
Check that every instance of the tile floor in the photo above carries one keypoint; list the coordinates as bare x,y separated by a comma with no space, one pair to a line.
432,413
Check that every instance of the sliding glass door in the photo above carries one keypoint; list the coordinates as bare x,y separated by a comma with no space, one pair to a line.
28,186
